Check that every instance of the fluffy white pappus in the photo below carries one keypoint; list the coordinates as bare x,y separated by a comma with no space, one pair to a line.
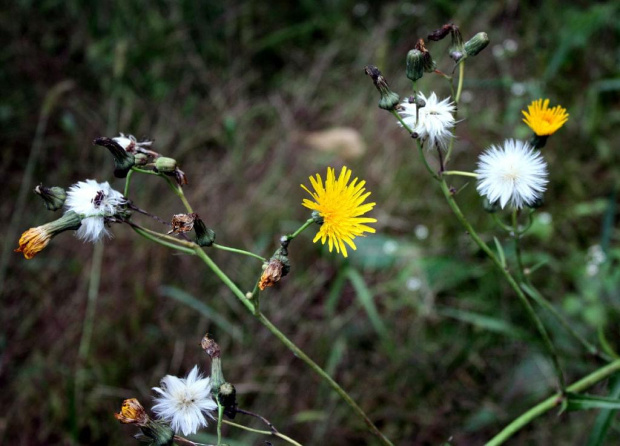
129,142
93,202
435,120
514,173
185,403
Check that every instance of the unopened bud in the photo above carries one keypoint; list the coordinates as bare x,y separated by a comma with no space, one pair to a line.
476,44
54,197
227,396
204,236
165,165
457,48
389,100
140,159
419,60
123,161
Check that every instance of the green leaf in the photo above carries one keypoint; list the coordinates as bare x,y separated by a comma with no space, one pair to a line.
365,297
603,421
484,322
500,252
585,402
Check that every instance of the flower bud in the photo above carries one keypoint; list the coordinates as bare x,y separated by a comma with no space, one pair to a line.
140,159
165,165
204,236
123,161
34,240
54,197
389,100
419,60
457,48
227,396
476,44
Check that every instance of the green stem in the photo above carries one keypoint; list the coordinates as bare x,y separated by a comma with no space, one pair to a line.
220,414
238,251
457,98
145,171
552,402
300,230
400,119
319,371
258,431
423,158
178,190
461,173
500,223
127,181
286,341
146,233
511,281
516,237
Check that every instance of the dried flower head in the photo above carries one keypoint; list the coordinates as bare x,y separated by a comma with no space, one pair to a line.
96,203
339,206
182,223
515,173
132,412
185,402
544,121
271,274
432,123
130,143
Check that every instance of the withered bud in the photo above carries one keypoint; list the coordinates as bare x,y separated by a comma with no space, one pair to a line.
440,33
278,267
179,175
132,412
419,60
53,197
182,223
389,99
210,346
123,161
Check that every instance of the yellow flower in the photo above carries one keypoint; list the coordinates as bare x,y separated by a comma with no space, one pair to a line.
339,205
33,241
542,120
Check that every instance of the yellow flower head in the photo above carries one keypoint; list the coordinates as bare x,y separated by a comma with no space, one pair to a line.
33,241
542,120
340,206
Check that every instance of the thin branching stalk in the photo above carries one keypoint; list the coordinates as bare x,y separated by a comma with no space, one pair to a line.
238,251
553,401
258,431
511,281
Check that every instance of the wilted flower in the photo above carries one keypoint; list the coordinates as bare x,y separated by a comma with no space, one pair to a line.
130,144
132,412
544,121
433,122
35,239
95,203
514,173
339,206
185,402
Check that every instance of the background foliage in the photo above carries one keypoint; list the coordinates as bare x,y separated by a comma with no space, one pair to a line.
416,325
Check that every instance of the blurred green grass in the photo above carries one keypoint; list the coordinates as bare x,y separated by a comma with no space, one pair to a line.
421,331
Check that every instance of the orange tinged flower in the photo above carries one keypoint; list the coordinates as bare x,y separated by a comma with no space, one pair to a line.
33,241
544,121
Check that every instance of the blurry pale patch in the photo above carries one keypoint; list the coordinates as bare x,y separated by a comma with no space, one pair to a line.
345,142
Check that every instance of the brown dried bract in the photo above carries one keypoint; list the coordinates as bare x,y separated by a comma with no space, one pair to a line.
182,223
442,32
272,274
